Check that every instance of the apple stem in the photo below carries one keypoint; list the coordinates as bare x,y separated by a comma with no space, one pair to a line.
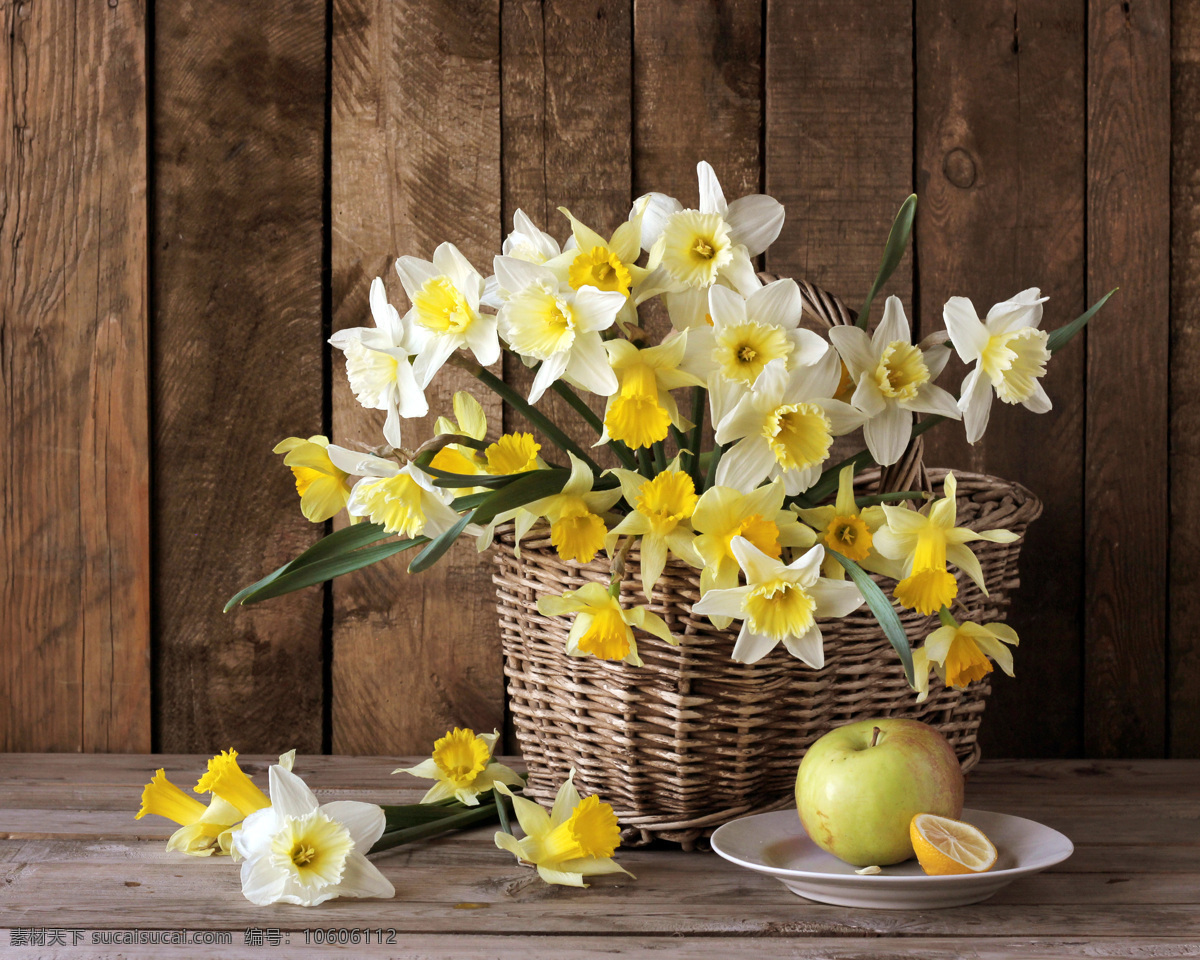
875,736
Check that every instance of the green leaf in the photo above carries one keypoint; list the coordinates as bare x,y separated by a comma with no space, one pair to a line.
439,545
878,498
893,253
884,612
1062,336
520,492
444,478
327,569
335,544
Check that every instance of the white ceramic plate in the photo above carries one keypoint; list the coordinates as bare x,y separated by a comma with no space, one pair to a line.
776,844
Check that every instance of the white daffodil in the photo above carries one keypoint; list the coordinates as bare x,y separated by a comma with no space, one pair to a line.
690,250
377,365
403,499
445,296
746,334
1009,351
784,427
780,603
641,411
893,380
300,851
462,765
575,840
547,321
609,265
526,242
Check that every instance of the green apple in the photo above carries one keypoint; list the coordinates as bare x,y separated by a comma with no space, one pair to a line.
860,785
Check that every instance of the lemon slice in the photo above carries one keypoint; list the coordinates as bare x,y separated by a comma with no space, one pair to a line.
946,846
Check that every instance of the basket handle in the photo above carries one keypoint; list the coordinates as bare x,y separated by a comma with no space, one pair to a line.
827,310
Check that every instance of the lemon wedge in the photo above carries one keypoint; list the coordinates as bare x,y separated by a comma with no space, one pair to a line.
946,846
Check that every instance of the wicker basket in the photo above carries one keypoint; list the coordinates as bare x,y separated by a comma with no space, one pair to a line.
693,739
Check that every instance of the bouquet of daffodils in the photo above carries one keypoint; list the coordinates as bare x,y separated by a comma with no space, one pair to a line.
746,503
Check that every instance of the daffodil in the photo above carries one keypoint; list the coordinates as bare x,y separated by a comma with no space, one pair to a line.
925,542
780,603
225,779
694,249
200,825
296,850
527,242
959,653
403,499
893,380
602,627
640,412
661,516
723,513
512,453
575,840
577,515
846,529
1009,351
445,296
324,489
378,367
784,427
463,767
469,421
548,322
606,264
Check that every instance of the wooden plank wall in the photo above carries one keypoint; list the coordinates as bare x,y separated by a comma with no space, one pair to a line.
155,344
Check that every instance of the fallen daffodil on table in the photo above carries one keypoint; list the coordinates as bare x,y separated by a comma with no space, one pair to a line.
576,839
463,767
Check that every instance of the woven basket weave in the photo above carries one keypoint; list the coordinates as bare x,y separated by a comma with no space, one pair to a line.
693,739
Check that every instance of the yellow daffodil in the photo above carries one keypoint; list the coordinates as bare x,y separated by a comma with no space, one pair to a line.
661,516
225,779
925,542
780,603
445,295
546,321
643,408
577,516
378,367
324,489
602,627
694,249
723,513
850,531
575,840
1009,351
403,499
462,765
512,453
200,825
785,426
469,421
893,379
959,653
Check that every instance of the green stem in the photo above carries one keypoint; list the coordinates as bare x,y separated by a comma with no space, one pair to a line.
947,619
718,450
501,811
644,464
523,407
579,405
699,395
870,501
480,814
660,457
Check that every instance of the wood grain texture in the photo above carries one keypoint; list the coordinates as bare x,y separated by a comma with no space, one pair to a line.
1133,874
1000,176
416,161
239,97
566,122
1128,241
1183,652
839,139
75,560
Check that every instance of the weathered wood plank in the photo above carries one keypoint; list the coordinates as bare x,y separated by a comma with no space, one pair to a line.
1000,153
489,947
839,139
238,357
1128,238
416,160
1183,643
565,117
75,561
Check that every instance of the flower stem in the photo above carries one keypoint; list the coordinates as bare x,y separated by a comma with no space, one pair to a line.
699,394
644,465
718,449
523,407
502,811
946,618
579,405
660,457
457,821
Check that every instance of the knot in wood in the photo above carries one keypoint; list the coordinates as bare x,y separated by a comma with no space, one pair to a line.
959,168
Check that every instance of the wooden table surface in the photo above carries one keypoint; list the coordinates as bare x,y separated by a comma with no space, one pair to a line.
73,858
